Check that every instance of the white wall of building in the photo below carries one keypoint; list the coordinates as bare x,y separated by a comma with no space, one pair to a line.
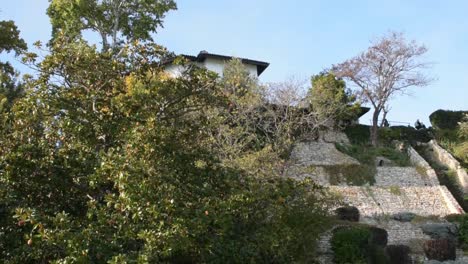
212,64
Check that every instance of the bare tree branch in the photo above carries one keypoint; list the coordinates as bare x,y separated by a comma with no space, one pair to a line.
387,68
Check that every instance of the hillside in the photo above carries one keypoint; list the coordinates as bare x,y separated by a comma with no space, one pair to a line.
395,190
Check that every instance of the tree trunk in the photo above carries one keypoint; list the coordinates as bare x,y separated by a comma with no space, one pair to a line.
375,127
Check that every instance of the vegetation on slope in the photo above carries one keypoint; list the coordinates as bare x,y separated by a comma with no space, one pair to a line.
451,131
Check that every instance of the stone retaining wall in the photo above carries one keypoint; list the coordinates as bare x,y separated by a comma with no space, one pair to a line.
446,159
374,201
420,162
401,176
319,154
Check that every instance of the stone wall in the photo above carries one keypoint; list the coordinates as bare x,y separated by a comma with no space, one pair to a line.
399,233
446,159
374,201
421,163
401,176
318,154
331,136
403,233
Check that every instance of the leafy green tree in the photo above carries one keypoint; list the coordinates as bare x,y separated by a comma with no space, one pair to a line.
107,160
10,41
331,102
116,21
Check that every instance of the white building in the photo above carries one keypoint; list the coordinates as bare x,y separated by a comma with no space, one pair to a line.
215,63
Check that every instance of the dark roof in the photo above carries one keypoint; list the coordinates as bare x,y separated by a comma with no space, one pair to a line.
363,111
203,55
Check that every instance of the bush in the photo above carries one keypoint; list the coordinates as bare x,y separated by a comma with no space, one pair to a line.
463,230
348,213
446,119
455,218
378,236
460,151
377,255
440,249
403,133
358,134
350,245
398,254
359,244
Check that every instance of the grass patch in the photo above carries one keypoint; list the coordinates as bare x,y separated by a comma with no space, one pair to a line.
366,154
421,170
351,174
395,190
418,219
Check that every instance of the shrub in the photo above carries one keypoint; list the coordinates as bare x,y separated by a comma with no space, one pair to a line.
359,244
378,236
463,229
455,218
358,134
460,151
348,213
404,133
377,255
446,119
350,245
440,249
398,254
395,190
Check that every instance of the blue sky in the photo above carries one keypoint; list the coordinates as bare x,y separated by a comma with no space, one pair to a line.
302,37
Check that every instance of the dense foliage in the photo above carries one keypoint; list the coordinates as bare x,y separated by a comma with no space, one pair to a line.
106,159
451,131
350,245
333,104
116,21
10,88
360,134
446,119
359,244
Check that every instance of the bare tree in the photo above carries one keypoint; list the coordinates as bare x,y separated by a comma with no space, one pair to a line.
389,67
384,121
301,110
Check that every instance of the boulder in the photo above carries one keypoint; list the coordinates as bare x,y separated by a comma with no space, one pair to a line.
441,231
347,213
404,216
378,237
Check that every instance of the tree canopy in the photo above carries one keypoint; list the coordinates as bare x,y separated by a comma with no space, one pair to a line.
106,159
330,100
116,21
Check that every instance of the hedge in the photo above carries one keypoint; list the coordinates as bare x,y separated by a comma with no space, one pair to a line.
446,119
360,134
